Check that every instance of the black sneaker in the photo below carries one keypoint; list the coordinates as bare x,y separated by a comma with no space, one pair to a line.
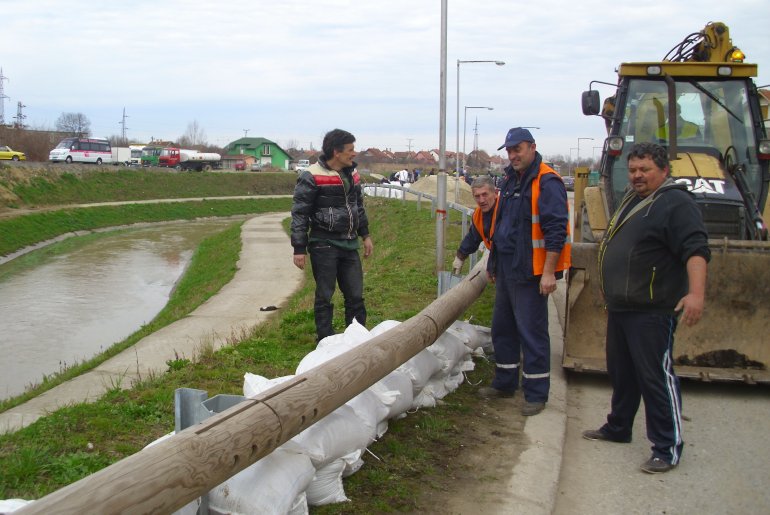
598,435
656,466
488,392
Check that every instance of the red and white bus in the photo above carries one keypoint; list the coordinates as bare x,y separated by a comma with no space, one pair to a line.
82,150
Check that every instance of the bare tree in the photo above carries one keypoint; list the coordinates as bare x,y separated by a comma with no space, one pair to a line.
194,136
76,124
291,144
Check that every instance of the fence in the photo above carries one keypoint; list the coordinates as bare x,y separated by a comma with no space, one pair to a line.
394,191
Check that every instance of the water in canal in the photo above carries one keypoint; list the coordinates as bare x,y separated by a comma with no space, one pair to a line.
64,308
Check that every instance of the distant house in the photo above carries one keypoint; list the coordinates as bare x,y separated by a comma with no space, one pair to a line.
260,150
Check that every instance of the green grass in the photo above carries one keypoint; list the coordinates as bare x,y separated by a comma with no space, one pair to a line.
53,185
399,282
19,232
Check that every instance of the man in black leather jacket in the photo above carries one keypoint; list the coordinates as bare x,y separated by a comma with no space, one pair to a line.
327,217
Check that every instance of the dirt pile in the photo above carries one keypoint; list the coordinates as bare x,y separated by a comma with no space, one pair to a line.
429,185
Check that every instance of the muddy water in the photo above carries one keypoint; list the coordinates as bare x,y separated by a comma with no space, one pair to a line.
64,308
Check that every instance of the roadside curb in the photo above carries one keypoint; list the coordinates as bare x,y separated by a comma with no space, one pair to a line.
534,482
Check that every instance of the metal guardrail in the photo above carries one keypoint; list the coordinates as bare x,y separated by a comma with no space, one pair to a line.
445,279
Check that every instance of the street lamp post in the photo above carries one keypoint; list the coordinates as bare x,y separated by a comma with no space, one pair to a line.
457,153
578,148
465,117
569,170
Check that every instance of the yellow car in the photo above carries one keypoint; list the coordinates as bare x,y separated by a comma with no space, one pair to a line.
7,153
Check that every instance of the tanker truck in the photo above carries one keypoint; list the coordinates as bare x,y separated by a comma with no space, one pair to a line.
183,159
701,104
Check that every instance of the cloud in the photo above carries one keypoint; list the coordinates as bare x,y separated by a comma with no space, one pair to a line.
294,69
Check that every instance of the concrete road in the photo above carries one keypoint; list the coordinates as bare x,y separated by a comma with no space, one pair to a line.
725,466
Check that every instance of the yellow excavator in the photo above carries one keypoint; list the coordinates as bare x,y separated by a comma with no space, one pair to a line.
700,102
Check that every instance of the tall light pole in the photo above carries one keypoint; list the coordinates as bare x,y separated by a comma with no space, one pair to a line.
457,154
578,148
441,182
465,117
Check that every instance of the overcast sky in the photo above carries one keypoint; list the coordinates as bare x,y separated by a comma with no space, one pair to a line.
290,70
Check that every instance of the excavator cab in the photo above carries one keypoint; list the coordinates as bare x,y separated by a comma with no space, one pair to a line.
707,115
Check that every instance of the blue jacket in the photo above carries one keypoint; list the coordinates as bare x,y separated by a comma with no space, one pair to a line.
513,232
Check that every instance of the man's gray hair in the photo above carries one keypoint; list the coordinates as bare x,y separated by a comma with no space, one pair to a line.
483,181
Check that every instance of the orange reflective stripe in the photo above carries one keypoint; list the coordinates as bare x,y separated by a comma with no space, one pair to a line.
538,238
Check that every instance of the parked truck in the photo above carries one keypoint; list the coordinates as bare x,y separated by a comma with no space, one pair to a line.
183,159
121,156
136,154
150,155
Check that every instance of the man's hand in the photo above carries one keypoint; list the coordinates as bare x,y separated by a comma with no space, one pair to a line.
457,265
547,284
691,306
368,246
299,261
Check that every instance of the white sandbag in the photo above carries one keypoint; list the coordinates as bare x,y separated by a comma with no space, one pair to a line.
355,334
326,487
334,345
191,508
433,391
452,382
420,368
371,410
485,337
471,336
268,487
299,506
450,350
11,505
254,384
395,391
353,463
384,326
337,434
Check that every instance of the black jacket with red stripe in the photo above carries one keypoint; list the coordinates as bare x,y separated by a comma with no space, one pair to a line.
325,208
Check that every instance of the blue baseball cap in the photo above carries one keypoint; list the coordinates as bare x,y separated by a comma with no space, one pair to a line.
516,136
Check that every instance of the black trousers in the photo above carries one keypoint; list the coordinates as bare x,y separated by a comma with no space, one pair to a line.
640,366
333,265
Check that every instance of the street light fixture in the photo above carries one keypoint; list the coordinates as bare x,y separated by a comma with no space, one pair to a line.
465,116
457,147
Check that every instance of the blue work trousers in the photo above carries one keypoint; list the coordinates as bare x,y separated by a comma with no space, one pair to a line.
639,364
333,265
520,329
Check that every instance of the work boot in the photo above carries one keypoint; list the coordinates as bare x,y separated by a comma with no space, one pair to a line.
656,466
532,408
598,435
488,392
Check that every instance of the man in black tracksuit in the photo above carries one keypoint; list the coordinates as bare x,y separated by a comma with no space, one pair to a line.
327,217
652,265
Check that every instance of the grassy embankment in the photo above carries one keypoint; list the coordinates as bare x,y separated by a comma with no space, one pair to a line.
399,282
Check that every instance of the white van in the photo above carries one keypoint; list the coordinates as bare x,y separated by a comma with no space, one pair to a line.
82,150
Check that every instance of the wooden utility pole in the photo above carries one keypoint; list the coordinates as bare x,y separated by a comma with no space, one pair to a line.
166,476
